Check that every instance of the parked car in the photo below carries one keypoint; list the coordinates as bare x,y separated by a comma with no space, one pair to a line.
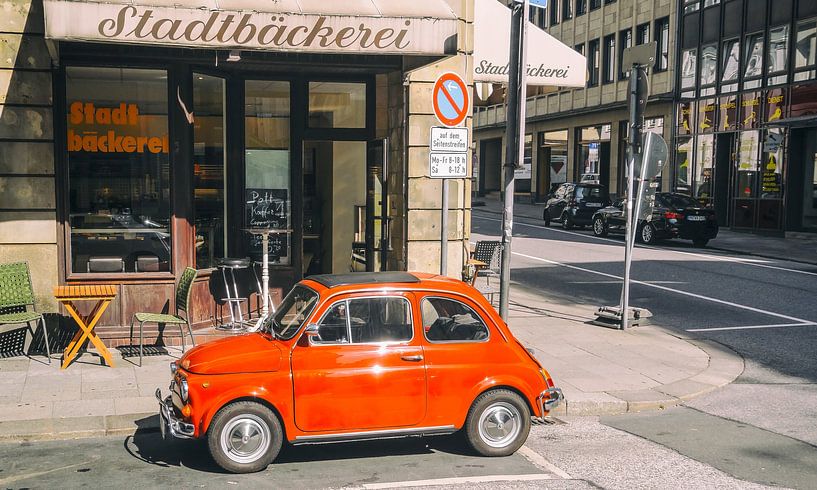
574,204
360,356
674,216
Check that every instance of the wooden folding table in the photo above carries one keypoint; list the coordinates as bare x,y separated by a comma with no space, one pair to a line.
68,295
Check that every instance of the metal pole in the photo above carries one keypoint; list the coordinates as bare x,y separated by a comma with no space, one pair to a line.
628,210
265,274
444,231
514,146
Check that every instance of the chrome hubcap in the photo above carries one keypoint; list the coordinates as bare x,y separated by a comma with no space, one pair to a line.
598,226
500,424
245,438
646,233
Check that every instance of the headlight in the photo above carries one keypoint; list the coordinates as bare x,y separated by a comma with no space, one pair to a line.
183,389
173,367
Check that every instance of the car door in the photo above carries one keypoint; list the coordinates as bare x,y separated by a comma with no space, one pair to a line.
364,369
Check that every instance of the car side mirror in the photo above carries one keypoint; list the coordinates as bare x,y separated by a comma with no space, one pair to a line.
310,332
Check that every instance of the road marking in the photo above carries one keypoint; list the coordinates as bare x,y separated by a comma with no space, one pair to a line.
460,481
658,286
750,262
619,282
11,479
752,327
540,461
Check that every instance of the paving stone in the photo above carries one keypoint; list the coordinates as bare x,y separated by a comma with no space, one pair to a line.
131,405
26,411
83,408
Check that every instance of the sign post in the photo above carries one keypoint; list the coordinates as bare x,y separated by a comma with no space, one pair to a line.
448,149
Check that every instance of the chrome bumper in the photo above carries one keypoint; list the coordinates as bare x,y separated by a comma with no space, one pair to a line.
169,424
550,399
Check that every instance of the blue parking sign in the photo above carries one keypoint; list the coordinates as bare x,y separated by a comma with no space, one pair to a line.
539,3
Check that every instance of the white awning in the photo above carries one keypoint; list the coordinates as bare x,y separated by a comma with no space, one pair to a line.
550,63
348,26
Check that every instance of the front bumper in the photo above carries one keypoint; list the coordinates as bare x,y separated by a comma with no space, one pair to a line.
169,424
550,399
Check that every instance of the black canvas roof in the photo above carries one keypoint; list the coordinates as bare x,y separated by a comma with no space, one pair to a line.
334,280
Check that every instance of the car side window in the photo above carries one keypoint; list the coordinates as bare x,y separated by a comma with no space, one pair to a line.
367,320
334,327
447,320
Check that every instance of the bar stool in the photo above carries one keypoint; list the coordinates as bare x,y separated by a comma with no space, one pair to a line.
233,298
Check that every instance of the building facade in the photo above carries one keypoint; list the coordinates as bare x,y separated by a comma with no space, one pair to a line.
746,133
572,133
140,139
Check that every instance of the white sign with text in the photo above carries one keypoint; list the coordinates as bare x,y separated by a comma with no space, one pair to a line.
449,139
447,165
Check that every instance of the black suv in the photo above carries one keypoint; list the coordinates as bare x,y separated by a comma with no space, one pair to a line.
574,204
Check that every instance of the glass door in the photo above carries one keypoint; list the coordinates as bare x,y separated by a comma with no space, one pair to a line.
377,206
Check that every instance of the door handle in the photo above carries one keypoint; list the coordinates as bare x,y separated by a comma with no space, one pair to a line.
416,358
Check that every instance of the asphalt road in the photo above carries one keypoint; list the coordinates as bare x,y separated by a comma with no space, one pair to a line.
763,309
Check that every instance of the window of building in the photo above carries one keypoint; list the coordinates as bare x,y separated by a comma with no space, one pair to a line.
748,164
805,50
609,58
753,60
691,6
625,40
337,105
595,4
581,7
709,65
642,34
683,164
567,9
538,17
209,169
777,55
730,64
119,178
554,12
579,48
267,160
704,182
662,38
608,2
593,62
689,64
709,3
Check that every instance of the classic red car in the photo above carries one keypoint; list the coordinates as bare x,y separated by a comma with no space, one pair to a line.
360,356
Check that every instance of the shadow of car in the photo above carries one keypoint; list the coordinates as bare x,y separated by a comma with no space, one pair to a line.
674,216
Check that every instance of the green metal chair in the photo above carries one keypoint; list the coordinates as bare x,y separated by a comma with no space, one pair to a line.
182,306
16,295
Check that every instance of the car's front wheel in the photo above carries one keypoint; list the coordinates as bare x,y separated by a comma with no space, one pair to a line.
245,437
600,227
646,234
498,423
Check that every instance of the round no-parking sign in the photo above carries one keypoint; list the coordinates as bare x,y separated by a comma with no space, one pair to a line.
450,99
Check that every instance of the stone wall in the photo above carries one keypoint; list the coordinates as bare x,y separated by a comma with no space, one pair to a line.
28,218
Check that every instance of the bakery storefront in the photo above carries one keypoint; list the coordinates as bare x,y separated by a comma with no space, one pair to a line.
179,125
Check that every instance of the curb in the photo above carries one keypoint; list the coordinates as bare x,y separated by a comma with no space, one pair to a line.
725,365
77,427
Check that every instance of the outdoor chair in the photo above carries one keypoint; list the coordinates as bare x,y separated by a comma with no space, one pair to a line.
16,295
183,288
487,252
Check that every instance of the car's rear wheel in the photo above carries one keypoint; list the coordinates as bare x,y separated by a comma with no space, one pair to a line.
700,242
646,234
546,217
245,437
498,423
600,228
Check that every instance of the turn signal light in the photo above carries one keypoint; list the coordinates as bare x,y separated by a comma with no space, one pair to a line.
187,410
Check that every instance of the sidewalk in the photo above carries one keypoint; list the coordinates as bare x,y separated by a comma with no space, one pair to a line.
796,247
601,370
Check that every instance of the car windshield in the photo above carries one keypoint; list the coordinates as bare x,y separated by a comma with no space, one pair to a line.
292,312
680,201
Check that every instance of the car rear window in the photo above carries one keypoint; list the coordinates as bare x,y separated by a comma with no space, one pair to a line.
594,193
680,201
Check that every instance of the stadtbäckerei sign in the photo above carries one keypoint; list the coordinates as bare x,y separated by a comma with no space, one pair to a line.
244,29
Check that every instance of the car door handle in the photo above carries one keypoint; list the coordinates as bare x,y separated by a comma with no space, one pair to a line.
416,358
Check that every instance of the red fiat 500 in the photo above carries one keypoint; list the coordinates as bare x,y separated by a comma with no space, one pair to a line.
360,356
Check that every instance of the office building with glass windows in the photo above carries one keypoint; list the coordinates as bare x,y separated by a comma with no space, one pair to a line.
745,138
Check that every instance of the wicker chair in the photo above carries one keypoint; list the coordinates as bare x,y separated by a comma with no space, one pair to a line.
183,289
16,295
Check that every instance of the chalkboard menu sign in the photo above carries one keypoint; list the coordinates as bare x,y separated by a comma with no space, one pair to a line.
268,209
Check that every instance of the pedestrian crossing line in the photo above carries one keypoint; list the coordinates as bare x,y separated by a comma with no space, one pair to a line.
751,327
541,462
464,480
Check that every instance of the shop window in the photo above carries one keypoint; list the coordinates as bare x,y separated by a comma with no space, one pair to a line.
625,40
730,65
704,149
581,7
747,164
593,152
686,118
728,113
709,65
609,58
593,63
683,164
209,170
337,105
118,170
771,181
805,50
750,110
554,145
753,60
706,116
268,190
662,38
642,33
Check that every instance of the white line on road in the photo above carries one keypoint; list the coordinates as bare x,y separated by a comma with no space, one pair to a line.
750,262
460,481
752,327
541,462
619,282
664,288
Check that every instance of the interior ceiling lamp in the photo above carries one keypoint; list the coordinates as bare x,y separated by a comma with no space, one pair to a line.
235,55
